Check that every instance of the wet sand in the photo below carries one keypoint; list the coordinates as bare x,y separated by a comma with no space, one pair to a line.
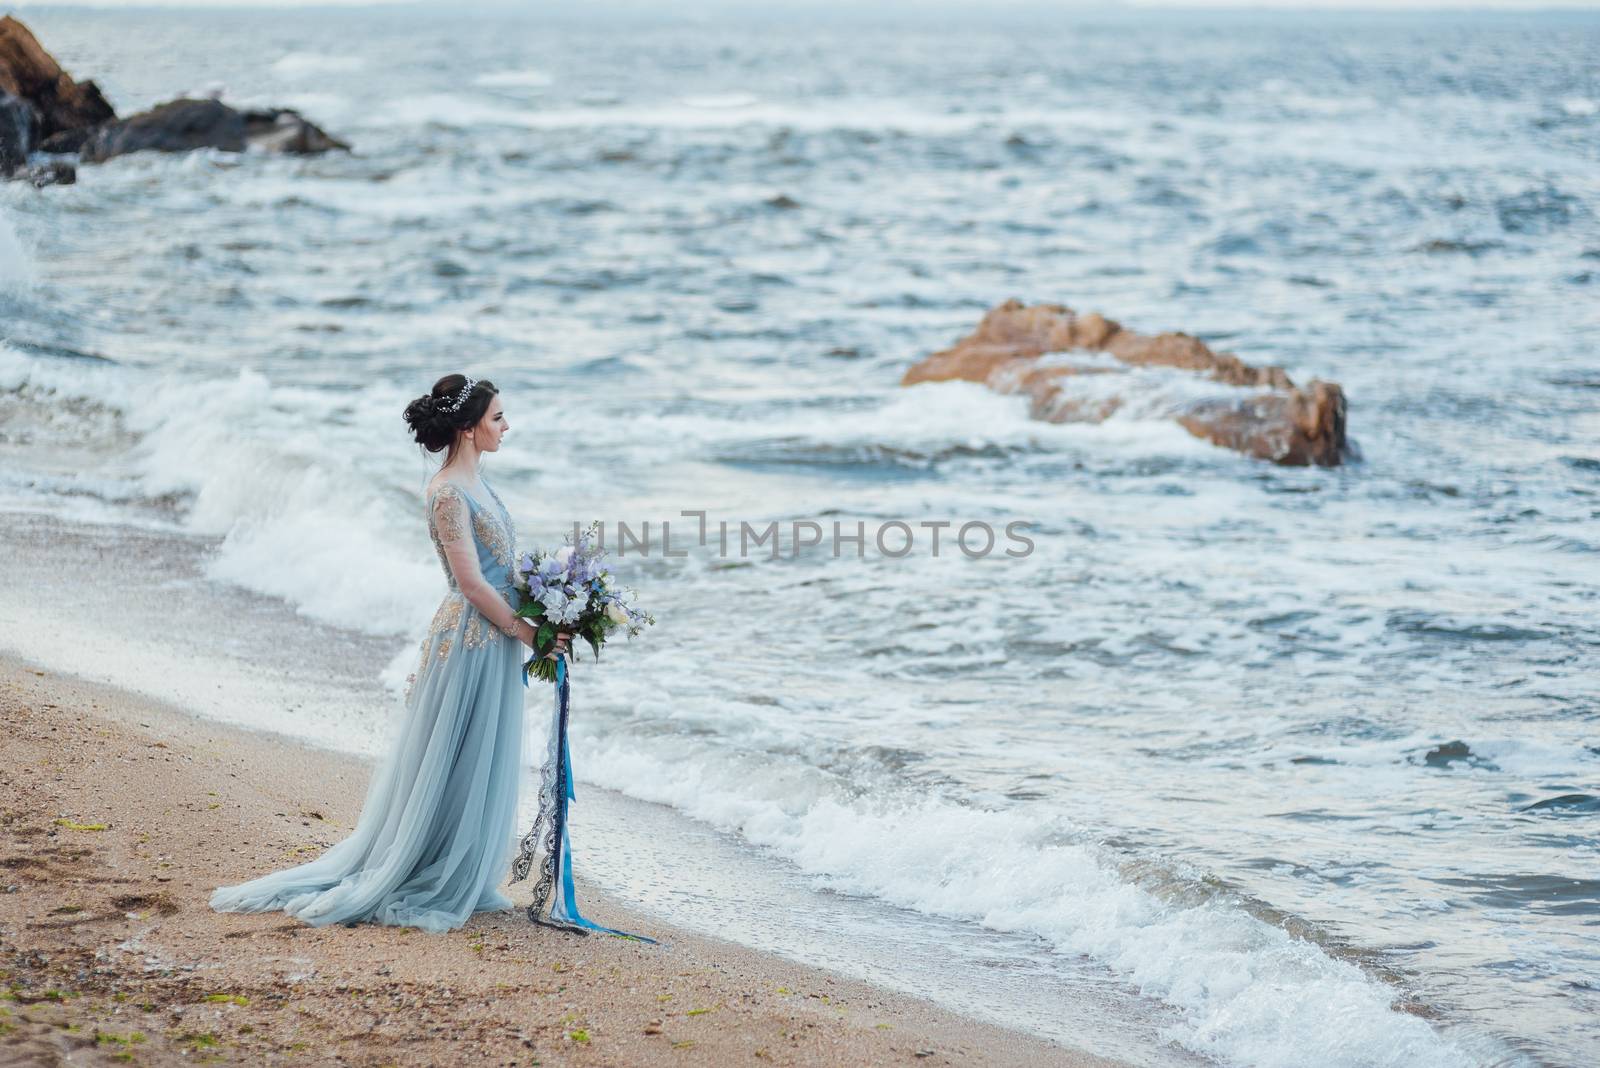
119,814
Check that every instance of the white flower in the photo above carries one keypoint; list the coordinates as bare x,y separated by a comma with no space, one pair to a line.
572,613
563,555
554,602
616,613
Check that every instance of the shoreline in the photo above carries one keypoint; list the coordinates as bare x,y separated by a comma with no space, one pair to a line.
107,871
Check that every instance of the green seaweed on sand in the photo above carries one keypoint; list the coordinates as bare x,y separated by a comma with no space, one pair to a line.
107,1038
197,1040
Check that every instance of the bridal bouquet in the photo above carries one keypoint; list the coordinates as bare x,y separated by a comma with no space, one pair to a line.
569,590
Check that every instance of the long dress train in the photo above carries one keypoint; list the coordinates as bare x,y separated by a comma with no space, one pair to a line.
438,827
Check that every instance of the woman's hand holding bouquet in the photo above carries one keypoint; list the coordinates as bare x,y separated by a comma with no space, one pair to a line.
569,592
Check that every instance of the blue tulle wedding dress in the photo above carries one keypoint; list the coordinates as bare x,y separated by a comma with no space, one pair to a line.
437,831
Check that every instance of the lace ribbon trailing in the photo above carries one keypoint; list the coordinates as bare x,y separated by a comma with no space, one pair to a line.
548,835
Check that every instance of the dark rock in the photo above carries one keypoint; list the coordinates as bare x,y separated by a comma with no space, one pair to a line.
53,173
43,110
67,142
288,132
176,126
28,71
19,130
183,125
1573,804
1442,755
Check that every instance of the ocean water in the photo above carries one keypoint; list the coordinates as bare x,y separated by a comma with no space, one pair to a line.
1197,753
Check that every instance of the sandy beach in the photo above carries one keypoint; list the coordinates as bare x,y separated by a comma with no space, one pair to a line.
1131,476
119,816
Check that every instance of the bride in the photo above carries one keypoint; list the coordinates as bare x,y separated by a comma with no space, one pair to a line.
437,829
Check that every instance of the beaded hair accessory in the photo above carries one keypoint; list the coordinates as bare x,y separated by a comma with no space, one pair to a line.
461,397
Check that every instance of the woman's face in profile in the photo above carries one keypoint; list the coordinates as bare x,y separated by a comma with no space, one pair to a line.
492,427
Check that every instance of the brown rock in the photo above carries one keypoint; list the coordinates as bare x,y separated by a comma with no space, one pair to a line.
27,71
1294,427
1278,421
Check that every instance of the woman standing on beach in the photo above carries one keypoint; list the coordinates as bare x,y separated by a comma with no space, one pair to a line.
436,831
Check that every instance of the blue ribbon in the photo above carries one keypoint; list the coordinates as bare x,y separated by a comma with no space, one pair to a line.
566,907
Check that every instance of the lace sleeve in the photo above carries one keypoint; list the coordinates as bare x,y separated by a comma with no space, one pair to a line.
454,530
450,523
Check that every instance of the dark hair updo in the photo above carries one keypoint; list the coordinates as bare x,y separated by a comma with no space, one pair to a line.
434,427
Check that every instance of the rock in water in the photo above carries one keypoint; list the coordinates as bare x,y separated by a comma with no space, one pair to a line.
68,142
184,125
19,131
176,126
28,73
288,132
52,173
1270,417
43,110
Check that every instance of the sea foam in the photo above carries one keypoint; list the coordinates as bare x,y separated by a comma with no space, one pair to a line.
1247,992
16,264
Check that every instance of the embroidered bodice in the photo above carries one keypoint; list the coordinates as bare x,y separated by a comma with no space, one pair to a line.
466,531
476,544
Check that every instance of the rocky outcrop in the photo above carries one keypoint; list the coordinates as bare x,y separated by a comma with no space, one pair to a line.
51,172
178,126
42,110
185,125
288,132
19,132
1265,415
28,73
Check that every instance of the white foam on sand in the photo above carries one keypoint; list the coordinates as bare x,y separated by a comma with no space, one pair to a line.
1246,991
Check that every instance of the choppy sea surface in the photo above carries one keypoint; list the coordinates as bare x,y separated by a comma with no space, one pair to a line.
1303,765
